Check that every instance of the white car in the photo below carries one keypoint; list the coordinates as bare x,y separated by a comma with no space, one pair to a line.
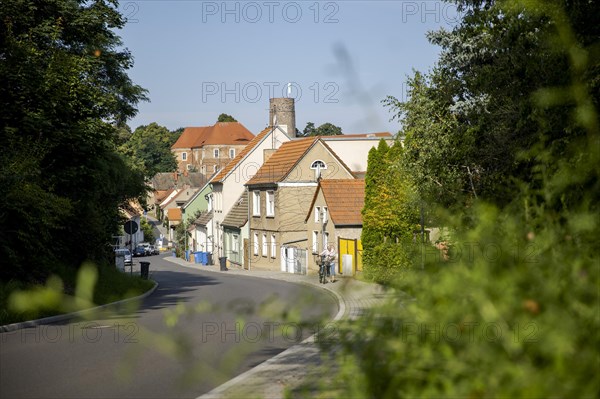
126,255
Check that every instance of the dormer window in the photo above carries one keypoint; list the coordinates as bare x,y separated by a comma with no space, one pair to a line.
318,166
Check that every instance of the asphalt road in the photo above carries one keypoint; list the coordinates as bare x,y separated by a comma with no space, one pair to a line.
196,331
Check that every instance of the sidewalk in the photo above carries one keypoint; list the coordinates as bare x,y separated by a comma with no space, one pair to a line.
293,366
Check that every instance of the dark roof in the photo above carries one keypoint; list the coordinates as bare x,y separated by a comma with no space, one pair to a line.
238,215
204,218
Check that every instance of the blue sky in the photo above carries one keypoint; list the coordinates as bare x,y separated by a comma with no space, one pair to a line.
199,59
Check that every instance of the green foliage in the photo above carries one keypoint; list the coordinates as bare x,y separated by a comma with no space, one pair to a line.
64,92
150,148
326,129
514,311
148,231
226,118
65,292
390,214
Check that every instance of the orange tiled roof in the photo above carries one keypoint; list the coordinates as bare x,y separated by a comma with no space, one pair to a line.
283,161
345,199
225,133
174,214
241,155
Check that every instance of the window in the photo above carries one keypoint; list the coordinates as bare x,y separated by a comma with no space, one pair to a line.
270,203
273,246
189,166
216,152
203,169
318,166
315,242
235,243
265,248
256,203
184,156
324,214
216,168
325,239
255,243
317,214
232,153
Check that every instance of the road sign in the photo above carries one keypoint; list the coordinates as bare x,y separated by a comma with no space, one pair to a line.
131,227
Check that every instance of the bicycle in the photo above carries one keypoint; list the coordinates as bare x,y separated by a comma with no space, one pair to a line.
321,262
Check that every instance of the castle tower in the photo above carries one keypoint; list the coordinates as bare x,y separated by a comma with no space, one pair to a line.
283,109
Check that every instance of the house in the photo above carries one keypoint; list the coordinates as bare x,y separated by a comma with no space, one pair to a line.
280,194
334,216
235,235
228,187
175,200
164,184
192,212
208,149
354,149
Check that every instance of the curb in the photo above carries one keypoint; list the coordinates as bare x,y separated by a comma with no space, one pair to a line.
221,389
67,316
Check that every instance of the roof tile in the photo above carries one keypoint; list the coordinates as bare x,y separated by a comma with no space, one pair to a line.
225,133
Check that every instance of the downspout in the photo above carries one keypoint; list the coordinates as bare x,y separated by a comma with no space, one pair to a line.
248,199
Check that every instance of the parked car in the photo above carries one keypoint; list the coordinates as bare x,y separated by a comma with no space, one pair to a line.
146,246
154,250
139,251
126,255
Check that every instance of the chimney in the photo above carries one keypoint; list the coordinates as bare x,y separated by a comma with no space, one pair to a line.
283,109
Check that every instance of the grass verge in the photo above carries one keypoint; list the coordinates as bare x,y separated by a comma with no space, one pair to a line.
111,286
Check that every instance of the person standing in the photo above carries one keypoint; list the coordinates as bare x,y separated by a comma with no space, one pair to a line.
330,257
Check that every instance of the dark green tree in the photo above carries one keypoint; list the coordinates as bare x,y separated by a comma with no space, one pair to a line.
326,129
150,147
226,118
64,90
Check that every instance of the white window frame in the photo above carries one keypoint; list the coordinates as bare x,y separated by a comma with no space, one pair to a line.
256,245
325,216
216,168
216,153
255,203
315,242
316,166
325,239
235,243
184,156
265,246
273,246
271,203
232,153
317,214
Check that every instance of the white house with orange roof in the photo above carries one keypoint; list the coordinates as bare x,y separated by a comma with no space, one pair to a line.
228,188
208,149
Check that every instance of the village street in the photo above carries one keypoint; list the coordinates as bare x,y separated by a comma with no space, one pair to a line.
196,331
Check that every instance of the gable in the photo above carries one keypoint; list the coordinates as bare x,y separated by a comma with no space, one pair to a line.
334,167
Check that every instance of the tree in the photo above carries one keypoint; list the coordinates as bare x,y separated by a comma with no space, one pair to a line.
64,90
309,130
523,320
226,118
390,214
326,129
150,147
